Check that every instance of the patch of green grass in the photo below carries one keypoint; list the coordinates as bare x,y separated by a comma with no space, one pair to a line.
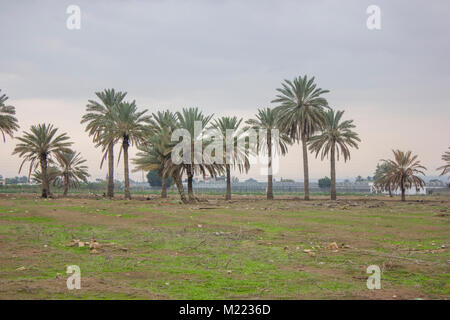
26,219
101,211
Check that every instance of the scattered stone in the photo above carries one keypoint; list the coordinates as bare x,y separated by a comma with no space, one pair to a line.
73,243
94,245
332,246
20,269
229,271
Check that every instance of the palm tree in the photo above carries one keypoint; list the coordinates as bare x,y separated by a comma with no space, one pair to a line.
155,154
8,122
186,120
131,127
98,122
446,167
335,138
301,114
381,177
73,170
163,121
53,174
403,172
234,155
38,147
266,121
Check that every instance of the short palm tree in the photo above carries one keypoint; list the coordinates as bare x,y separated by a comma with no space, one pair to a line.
446,167
131,127
187,119
155,154
53,176
335,139
97,119
39,147
403,172
162,121
8,121
72,168
382,177
266,121
300,107
228,131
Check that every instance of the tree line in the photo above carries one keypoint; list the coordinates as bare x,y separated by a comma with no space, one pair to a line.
301,115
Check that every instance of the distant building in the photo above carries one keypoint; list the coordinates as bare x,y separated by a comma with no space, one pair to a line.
410,192
436,183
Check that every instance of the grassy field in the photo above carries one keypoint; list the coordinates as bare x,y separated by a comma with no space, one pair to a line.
248,248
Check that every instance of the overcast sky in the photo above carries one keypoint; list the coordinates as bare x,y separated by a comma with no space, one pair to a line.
227,58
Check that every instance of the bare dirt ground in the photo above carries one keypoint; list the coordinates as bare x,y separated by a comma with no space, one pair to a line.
247,248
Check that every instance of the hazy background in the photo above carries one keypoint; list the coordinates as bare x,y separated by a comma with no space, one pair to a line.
227,58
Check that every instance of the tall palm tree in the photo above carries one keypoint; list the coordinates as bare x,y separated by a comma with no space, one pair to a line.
335,138
301,107
39,147
446,167
131,127
403,171
73,171
98,124
186,120
227,128
266,121
8,121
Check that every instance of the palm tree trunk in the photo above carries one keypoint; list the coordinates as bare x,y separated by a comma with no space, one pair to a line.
228,194
177,179
125,168
269,167
164,186
333,174
66,184
110,171
305,167
390,191
45,185
402,186
190,184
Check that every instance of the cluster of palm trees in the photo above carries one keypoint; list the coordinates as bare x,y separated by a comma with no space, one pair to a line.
42,147
301,115
113,120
